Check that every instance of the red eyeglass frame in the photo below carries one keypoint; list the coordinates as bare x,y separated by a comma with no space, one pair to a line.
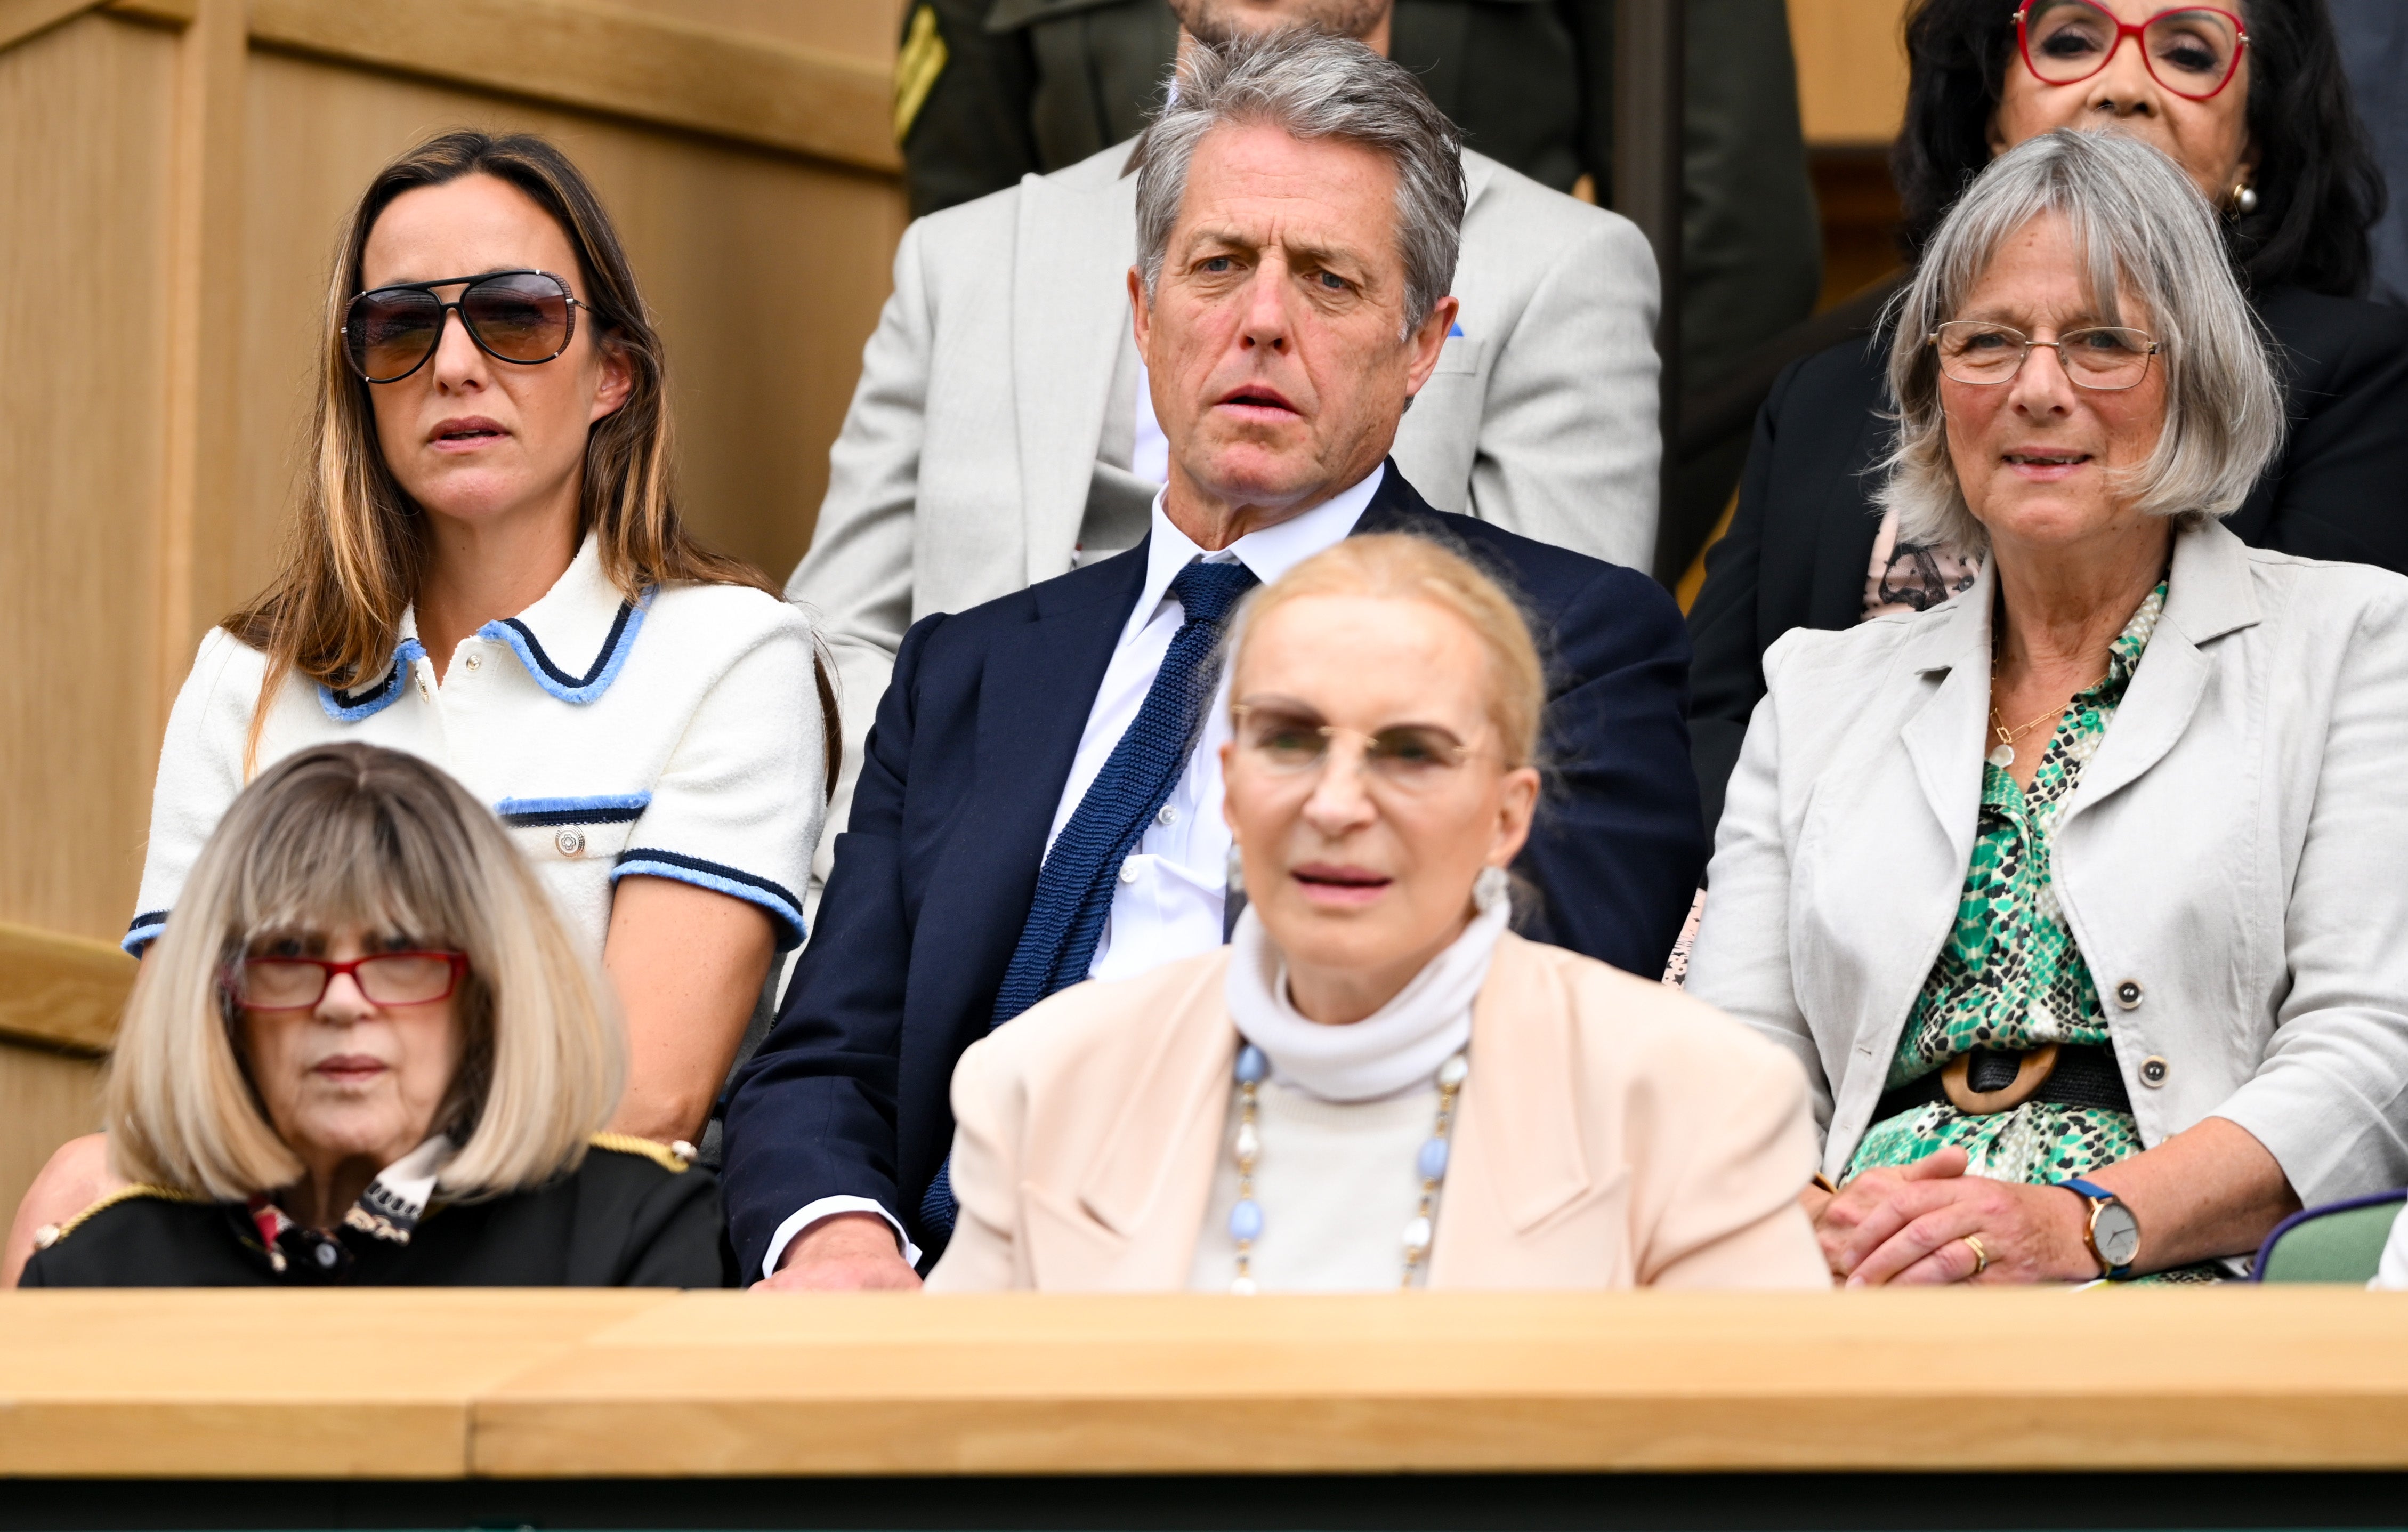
232,977
2134,30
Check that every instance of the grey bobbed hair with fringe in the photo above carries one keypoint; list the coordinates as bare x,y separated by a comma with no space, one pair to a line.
2145,237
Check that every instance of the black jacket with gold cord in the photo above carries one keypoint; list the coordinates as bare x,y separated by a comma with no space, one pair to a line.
631,1214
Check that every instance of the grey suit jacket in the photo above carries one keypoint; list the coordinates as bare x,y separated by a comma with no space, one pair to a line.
2237,851
962,472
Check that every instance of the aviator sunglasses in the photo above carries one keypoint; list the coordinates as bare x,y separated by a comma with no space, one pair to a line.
524,317
2192,50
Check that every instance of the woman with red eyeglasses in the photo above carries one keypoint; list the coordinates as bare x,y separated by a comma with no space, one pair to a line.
368,1051
2249,98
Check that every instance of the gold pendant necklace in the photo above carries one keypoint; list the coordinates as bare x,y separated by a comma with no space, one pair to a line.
2004,757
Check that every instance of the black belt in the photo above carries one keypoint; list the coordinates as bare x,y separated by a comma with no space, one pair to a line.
2082,1075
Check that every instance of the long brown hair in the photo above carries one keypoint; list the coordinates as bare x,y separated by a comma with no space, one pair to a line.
358,549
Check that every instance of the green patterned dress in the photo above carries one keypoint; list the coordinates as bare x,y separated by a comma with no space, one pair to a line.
2010,976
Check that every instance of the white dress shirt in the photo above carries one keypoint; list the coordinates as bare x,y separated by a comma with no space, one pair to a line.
1169,899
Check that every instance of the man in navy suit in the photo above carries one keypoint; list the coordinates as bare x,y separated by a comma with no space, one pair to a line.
1040,798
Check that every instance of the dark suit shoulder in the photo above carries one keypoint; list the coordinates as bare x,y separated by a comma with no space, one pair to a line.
143,1236
1838,383
1554,583
1115,579
2329,344
645,1217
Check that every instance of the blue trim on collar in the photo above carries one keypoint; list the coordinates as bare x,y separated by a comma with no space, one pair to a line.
351,707
143,932
784,908
605,808
559,683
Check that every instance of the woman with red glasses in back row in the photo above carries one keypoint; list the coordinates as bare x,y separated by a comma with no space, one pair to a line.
488,569
368,1051
2249,98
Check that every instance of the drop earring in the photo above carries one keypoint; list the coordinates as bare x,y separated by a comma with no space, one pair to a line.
1493,887
1236,875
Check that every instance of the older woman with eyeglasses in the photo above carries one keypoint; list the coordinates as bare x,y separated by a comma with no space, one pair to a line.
369,1053
2078,896
1377,1085
2250,98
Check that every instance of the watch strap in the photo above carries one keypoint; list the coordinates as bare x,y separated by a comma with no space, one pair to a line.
2094,1194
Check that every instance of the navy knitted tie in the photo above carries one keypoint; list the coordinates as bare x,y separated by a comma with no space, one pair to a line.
1074,889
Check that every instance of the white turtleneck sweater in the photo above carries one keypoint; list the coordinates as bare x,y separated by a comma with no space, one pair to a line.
1341,1119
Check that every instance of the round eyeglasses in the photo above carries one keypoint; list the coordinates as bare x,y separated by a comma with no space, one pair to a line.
387,979
2192,50
2104,358
524,317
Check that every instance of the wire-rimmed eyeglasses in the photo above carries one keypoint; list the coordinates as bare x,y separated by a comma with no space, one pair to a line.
1414,758
2101,357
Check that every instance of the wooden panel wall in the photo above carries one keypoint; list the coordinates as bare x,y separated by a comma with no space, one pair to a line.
1851,96
173,179
1851,69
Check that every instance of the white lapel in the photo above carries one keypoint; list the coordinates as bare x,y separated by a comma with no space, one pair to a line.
2208,595
1944,736
1069,307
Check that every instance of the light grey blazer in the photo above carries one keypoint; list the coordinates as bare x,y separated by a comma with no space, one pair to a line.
2237,850
962,472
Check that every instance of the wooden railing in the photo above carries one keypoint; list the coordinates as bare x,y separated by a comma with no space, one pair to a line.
631,1386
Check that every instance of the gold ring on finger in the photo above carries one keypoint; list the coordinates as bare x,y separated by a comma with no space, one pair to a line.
1981,1256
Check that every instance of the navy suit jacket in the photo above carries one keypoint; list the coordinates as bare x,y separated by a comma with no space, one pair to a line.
932,880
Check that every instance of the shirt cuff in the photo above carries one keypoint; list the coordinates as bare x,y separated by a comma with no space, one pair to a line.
825,1208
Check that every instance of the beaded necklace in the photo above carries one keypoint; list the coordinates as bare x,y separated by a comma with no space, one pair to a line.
1429,1164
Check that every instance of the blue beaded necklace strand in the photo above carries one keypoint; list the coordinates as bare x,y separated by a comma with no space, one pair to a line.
1429,1164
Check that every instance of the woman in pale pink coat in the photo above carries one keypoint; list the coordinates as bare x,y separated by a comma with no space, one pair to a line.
1377,1085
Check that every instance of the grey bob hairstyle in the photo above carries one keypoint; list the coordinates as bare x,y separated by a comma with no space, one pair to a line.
2143,234
345,835
1310,85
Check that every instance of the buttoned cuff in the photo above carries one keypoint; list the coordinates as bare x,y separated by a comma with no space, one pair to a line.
827,1208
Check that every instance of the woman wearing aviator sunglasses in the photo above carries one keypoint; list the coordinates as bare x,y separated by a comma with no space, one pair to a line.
2249,98
489,568
1377,1085
367,1053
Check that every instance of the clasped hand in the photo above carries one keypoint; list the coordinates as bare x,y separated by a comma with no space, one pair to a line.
1909,1224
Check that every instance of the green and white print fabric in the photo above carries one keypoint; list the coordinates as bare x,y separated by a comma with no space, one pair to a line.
2010,976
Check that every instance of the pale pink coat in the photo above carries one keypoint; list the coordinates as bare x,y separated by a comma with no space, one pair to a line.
1613,1133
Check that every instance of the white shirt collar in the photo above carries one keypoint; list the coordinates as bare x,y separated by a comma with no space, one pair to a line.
572,640
1269,552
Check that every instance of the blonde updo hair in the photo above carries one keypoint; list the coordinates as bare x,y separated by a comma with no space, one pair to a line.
1394,566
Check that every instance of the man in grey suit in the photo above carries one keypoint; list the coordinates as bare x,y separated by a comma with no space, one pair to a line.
1003,431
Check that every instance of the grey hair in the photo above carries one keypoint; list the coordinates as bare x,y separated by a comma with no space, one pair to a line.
2143,233
1312,85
